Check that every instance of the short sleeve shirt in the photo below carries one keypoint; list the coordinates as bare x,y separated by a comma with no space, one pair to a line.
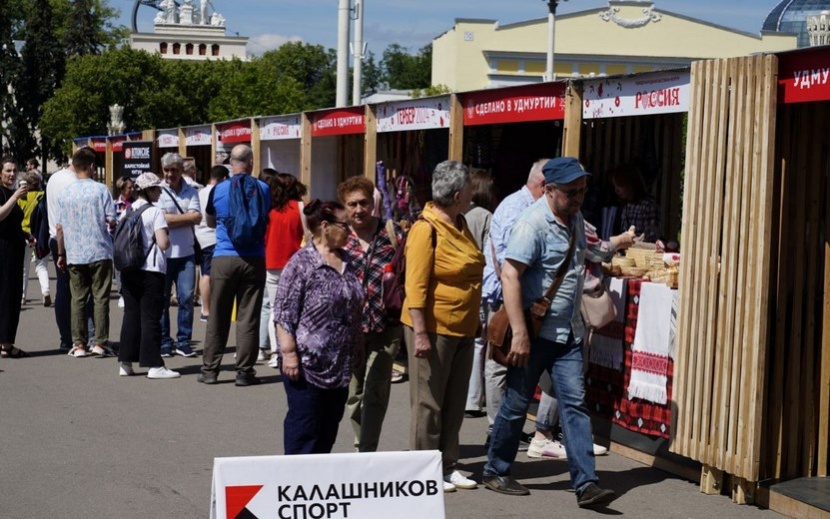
84,208
181,238
153,220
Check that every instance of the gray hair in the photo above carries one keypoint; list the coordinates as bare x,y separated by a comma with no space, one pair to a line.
536,175
171,158
449,178
242,153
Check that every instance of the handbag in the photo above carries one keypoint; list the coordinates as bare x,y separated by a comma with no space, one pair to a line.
598,309
499,334
197,248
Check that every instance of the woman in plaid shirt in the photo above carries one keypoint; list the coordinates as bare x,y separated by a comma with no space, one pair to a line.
370,247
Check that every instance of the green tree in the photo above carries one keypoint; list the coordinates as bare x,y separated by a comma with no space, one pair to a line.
404,71
371,74
41,72
9,69
313,66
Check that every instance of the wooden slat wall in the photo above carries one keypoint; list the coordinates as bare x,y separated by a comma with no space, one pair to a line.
727,226
609,143
797,410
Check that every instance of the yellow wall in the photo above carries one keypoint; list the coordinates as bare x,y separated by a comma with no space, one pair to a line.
586,40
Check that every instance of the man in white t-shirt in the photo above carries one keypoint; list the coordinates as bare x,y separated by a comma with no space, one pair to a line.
180,204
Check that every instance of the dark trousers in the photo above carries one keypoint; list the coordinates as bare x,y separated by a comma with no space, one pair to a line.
141,328
241,280
313,417
11,287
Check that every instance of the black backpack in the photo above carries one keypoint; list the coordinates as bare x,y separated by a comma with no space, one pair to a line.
128,243
39,226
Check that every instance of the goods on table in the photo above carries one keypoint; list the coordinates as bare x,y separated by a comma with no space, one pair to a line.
643,260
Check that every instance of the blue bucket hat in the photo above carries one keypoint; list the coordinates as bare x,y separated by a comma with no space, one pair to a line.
563,170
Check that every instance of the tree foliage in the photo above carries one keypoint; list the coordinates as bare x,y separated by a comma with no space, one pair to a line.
404,71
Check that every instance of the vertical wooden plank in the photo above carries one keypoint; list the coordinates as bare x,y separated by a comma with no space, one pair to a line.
305,151
182,142
572,130
456,128
370,143
729,293
256,146
758,338
684,376
741,385
213,143
108,168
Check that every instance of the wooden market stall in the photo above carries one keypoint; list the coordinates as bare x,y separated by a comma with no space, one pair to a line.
195,141
753,356
334,150
280,143
412,138
507,129
167,141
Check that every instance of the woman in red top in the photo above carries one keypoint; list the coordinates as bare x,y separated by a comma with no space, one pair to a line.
286,229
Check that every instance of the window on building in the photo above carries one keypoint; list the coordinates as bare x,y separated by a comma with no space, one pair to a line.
163,47
188,49
202,49
214,49
177,48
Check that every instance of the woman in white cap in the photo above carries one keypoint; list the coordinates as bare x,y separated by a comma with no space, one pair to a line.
143,289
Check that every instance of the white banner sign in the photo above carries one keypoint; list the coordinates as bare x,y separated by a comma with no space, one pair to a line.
418,114
199,136
168,139
280,128
643,94
381,485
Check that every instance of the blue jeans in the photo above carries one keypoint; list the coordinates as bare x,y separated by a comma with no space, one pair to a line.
182,272
564,363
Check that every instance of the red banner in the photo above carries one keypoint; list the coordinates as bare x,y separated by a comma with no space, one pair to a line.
118,142
99,144
804,76
340,121
235,132
539,102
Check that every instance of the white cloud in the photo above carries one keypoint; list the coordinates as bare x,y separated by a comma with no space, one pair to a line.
265,42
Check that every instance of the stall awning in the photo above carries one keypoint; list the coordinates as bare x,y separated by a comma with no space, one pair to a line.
168,138
99,144
234,132
197,136
280,128
539,102
429,113
804,76
339,121
642,94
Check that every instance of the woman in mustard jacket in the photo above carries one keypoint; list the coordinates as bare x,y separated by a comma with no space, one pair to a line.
444,268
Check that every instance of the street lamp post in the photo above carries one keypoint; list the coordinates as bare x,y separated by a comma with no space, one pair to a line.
549,75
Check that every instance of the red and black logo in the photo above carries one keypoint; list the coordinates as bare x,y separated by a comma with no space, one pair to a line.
237,499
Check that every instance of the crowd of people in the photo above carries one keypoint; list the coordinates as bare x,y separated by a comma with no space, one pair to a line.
306,282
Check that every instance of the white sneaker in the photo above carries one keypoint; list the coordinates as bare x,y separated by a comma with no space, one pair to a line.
273,363
162,372
459,481
121,302
125,369
546,449
599,450
448,487
98,349
77,352
260,356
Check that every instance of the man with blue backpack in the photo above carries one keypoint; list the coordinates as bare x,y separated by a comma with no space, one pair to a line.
238,209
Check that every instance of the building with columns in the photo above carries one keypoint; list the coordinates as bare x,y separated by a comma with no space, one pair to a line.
622,37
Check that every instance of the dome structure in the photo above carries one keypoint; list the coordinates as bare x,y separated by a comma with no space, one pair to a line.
790,16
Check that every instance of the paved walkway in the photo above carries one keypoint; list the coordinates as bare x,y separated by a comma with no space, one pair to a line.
80,442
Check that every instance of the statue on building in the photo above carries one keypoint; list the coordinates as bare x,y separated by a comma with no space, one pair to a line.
170,7
217,20
186,13
116,125
204,18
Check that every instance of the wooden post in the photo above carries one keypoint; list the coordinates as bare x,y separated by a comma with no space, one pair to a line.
108,168
256,147
824,384
573,120
743,492
212,143
711,480
456,128
305,152
182,142
370,143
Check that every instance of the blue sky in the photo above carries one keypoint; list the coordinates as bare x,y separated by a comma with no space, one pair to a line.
414,23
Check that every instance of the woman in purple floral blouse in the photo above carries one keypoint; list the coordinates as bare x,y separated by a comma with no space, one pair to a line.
317,313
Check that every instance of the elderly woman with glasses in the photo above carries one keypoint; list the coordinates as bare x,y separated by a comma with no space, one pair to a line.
317,313
444,267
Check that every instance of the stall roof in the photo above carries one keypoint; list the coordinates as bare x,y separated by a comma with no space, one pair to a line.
347,120
804,75
425,113
651,93
515,104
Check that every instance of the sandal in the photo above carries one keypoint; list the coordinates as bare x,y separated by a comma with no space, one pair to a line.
13,353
